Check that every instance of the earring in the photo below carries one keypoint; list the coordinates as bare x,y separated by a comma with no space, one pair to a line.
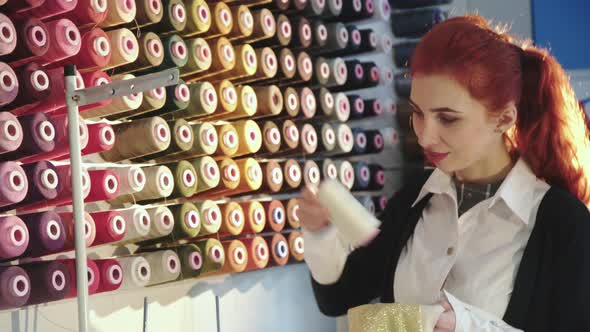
411,123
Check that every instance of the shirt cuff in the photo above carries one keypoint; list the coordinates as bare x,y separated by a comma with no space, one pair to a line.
325,254
470,318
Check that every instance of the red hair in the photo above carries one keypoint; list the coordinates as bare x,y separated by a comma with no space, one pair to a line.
550,132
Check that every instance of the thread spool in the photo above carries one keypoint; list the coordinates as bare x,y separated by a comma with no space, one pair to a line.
251,176
360,141
65,41
269,100
273,176
246,64
31,36
326,102
22,6
338,38
125,48
376,142
110,227
284,33
308,102
223,59
255,216
191,260
8,84
8,35
228,140
333,8
370,42
372,75
287,65
104,184
329,170
199,18
148,12
208,173
150,53
338,72
276,216
176,53
246,106
131,180
279,249
292,210
40,133
244,22
67,219
46,233
164,264
11,133
258,253
152,100
302,33
380,203
16,289
62,146
362,176
344,139
203,101
101,138
187,221
355,73
267,65
296,246
199,57
154,130
342,107
93,277
162,220
377,181
177,100
35,86
137,224
119,12
320,35
49,281
15,183
111,275
87,13
185,179
136,272
271,137
291,101
222,21
322,71
315,7
311,173
182,140
249,136
292,173
159,184
214,254
205,143
15,237
237,256
233,220
175,18
210,216
227,97
309,139
373,107
291,136
230,175
358,106
346,174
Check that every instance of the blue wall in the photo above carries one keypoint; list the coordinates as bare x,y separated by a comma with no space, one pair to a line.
563,27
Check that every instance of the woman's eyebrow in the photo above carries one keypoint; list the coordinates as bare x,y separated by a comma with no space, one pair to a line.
434,110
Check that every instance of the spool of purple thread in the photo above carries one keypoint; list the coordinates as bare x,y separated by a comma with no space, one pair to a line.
50,281
15,287
46,231
14,183
39,137
43,184
14,237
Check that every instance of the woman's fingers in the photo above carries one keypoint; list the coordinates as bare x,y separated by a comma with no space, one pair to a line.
311,214
446,321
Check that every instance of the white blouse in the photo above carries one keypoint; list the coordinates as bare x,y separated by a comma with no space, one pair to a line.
473,258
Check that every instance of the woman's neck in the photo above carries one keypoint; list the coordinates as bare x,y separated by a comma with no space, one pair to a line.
491,169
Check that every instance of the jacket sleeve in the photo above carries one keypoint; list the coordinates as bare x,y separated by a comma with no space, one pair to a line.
340,280
570,309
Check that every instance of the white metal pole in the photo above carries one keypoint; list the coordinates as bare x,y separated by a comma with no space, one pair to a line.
77,198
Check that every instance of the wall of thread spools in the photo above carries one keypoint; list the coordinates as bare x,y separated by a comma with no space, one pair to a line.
199,179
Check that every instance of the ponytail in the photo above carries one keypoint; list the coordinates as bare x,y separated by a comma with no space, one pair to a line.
551,134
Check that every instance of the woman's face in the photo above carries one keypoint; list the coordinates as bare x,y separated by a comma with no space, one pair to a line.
452,127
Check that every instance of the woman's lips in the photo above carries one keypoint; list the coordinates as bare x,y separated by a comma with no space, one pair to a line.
435,157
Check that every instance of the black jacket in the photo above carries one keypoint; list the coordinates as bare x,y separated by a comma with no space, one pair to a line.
551,289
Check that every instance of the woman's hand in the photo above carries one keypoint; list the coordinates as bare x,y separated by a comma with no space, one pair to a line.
312,215
447,320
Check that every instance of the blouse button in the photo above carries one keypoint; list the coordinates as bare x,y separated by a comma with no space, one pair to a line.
450,251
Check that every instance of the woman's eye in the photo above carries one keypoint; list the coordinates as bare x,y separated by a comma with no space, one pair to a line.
447,120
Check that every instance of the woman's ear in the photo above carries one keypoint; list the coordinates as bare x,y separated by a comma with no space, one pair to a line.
507,118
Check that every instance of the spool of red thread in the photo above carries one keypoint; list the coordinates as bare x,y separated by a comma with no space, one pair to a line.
65,41
101,137
95,52
53,8
104,184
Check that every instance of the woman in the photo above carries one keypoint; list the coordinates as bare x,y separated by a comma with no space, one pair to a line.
498,232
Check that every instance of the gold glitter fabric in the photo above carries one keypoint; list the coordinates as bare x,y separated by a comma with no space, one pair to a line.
393,317
385,317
